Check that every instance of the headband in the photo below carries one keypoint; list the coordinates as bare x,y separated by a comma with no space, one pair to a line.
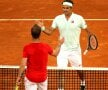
68,4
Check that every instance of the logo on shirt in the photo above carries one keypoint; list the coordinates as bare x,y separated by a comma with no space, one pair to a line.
72,21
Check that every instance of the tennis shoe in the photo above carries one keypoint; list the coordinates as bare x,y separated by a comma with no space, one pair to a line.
82,87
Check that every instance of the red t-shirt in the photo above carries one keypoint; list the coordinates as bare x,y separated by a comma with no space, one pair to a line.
37,54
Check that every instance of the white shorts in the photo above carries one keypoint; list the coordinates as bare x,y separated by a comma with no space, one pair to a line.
74,58
35,86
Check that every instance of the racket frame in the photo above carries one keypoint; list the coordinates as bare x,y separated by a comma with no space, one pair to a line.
89,47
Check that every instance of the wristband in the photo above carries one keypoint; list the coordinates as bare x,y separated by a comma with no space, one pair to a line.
43,28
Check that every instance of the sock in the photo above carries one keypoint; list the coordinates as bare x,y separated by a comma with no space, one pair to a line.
82,82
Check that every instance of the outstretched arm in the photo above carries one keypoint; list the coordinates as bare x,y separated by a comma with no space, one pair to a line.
46,30
57,49
21,70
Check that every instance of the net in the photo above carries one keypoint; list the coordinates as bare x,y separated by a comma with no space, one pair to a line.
66,78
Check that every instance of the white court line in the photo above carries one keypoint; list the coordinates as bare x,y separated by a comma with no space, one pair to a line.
47,19
68,68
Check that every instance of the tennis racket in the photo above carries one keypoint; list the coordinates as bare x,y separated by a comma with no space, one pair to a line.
92,43
16,87
19,80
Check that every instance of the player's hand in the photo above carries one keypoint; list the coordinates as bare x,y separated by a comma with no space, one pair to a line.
39,23
61,41
18,81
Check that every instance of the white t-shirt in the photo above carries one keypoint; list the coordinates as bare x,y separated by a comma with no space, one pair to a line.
69,29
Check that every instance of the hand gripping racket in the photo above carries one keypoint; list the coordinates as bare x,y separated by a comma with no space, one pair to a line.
92,43
16,87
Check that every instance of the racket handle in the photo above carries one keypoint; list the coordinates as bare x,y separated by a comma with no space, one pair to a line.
16,87
85,52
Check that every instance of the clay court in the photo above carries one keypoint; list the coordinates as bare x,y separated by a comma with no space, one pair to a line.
17,17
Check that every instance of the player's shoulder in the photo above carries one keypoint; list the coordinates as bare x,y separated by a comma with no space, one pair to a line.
44,44
59,16
35,44
77,16
27,45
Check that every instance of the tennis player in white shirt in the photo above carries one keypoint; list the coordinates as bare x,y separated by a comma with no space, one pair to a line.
69,25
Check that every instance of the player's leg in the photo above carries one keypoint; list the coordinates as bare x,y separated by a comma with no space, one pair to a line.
82,78
75,60
42,85
62,62
30,85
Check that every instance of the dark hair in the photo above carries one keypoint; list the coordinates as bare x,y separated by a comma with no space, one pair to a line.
68,1
35,31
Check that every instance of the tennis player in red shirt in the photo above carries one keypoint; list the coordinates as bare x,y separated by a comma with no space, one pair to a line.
35,57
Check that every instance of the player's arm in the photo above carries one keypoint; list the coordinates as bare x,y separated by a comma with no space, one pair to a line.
46,30
87,31
21,70
57,49
84,26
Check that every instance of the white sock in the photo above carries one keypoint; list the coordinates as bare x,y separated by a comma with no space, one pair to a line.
82,82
